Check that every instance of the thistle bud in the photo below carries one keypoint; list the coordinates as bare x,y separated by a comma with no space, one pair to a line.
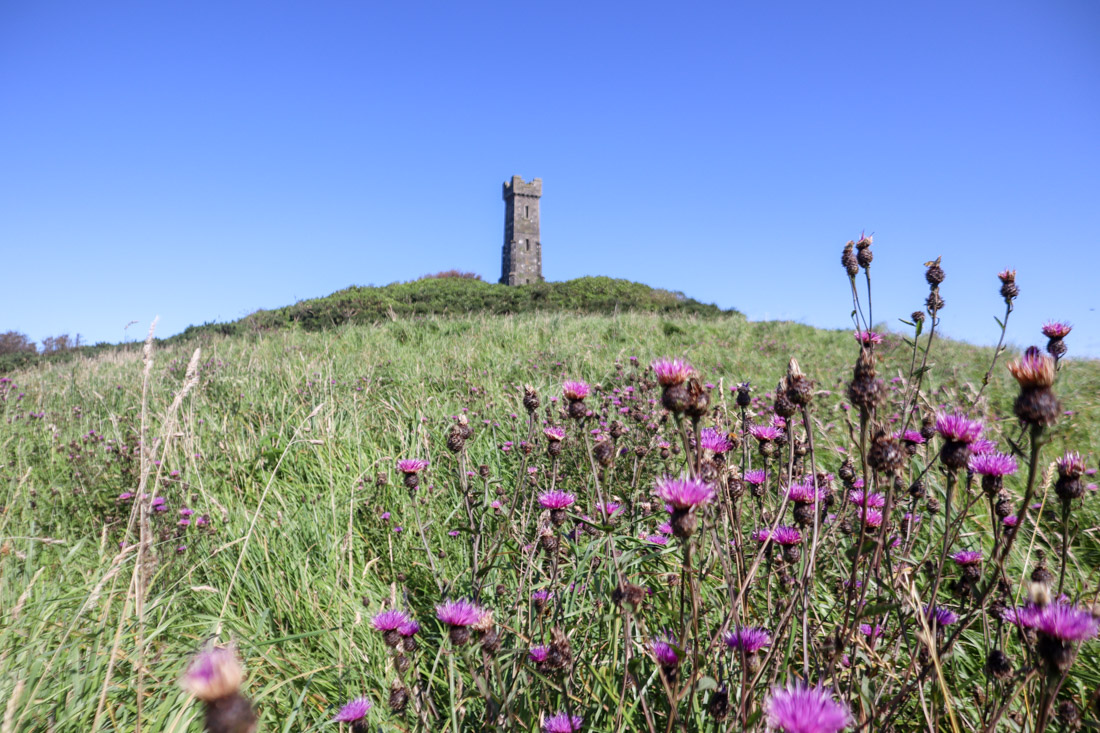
744,396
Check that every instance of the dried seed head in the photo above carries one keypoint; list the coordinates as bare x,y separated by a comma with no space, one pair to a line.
455,441
629,593
718,707
848,260
886,456
399,697
847,470
917,316
864,256
744,394
934,275
998,665
699,399
604,452
1042,575
934,303
490,642
560,656
783,405
530,399
1009,289
1068,715
867,393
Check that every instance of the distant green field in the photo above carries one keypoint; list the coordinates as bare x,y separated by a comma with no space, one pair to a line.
280,448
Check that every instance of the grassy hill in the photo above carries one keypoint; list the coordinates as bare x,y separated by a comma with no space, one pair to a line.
439,296
280,454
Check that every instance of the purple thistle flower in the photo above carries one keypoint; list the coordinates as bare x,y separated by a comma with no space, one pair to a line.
1056,329
354,711
389,620
1065,622
749,639
786,536
575,390
671,372
940,616
1034,369
408,629
664,648
541,596
869,498
609,508
684,493
126,496
760,535
958,428
538,653
556,499
213,674
411,465
657,539
458,613
981,446
871,517
871,632
755,476
911,436
868,337
1070,464
561,723
967,557
805,493
711,439
993,464
1011,521
1022,616
764,433
664,528
554,433
798,708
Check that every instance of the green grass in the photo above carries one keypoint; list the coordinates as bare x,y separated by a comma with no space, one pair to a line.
286,433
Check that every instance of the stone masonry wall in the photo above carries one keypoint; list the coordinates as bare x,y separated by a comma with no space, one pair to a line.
521,260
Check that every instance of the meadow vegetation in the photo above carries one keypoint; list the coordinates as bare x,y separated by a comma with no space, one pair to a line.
701,549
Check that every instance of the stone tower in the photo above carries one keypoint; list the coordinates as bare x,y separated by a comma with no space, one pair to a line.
521,263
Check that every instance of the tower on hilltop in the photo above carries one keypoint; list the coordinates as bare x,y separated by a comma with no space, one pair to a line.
521,263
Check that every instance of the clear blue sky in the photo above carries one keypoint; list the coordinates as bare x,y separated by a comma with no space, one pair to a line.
200,160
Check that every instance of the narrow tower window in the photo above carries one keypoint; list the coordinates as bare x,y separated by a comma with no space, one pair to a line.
526,212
